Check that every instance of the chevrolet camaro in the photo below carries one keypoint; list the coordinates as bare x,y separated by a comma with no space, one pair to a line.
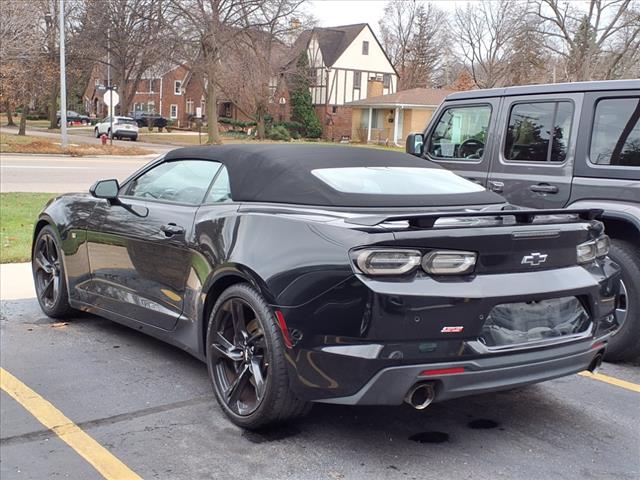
357,276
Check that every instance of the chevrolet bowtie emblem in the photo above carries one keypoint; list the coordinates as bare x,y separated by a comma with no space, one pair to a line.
534,259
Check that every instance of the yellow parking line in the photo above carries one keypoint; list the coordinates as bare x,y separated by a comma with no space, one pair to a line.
99,457
634,387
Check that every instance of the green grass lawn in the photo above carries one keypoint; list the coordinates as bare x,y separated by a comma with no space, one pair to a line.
18,213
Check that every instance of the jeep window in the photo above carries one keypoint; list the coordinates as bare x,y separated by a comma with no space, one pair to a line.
616,132
539,132
460,133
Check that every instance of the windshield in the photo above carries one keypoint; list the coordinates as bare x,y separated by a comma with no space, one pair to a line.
395,181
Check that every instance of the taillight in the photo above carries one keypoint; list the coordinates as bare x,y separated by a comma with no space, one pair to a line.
387,261
449,262
588,251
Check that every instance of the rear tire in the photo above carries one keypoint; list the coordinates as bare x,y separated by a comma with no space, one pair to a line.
96,132
134,139
49,275
263,396
625,343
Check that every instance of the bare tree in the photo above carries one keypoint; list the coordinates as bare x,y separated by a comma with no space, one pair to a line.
21,54
262,57
130,36
207,29
601,42
416,40
485,31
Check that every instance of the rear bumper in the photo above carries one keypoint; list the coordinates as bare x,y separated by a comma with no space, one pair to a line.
390,385
366,341
126,133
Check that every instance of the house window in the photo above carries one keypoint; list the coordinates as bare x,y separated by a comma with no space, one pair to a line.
151,85
334,109
190,104
357,80
177,87
365,48
386,80
173,113
97,82
151,106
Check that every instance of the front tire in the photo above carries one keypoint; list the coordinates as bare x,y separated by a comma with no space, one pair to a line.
246,361
625,342
49,275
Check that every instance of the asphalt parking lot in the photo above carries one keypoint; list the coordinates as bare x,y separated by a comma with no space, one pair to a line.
151,411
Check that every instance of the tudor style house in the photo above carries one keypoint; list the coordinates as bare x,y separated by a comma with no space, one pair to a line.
348,64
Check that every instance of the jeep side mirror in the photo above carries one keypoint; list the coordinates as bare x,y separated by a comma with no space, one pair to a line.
107,189
414,144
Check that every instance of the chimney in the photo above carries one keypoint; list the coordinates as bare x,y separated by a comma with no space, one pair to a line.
375,87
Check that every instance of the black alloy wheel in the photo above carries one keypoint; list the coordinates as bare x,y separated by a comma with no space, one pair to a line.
48,275
246,361
240,357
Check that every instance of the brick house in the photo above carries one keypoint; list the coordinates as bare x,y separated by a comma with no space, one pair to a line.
347,64
390,118
174,92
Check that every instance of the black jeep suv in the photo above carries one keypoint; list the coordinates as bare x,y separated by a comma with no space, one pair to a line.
553,146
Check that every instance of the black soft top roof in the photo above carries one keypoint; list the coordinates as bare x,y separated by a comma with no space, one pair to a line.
282,174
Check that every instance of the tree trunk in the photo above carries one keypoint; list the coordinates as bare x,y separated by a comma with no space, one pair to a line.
260,113
53,107
10,122
22,130
212,113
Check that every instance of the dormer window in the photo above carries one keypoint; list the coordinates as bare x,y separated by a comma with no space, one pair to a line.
365,48
177,87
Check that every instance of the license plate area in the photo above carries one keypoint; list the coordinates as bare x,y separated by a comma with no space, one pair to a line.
511,324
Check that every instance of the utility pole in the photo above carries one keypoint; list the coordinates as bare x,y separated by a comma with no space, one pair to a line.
109,87
63,83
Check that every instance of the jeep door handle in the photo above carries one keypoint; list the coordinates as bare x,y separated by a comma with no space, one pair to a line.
172,229
497,187
544,188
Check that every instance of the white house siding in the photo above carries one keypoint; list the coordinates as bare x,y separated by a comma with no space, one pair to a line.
339,79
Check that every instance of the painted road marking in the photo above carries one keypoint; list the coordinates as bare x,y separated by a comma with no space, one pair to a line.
98,457
634,387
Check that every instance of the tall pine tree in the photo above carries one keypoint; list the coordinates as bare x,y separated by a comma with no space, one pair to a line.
302,110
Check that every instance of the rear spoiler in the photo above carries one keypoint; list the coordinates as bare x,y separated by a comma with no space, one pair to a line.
428,220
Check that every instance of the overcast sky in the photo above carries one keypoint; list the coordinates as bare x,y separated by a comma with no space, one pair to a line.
344,12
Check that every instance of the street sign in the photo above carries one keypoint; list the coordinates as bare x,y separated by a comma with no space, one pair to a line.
111,99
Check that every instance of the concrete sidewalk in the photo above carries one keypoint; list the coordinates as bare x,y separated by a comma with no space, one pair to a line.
16,282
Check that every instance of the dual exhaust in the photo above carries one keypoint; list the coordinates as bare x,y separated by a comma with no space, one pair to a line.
420,395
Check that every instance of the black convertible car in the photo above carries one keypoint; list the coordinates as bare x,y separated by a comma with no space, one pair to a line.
332,274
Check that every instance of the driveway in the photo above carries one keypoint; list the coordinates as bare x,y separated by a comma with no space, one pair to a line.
149,411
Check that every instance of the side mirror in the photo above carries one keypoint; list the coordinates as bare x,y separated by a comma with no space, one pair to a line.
107,189
414,144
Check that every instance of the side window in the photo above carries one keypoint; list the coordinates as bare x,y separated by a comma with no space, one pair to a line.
221,189
616,132
460,133
183,181
539,132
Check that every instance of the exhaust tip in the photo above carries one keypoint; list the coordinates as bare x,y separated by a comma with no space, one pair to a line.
420,395
594,366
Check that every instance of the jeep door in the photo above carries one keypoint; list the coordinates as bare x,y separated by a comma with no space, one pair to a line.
461,138
533,162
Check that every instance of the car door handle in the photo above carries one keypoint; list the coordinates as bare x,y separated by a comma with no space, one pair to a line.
544,188
172,229
497,187
475,180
